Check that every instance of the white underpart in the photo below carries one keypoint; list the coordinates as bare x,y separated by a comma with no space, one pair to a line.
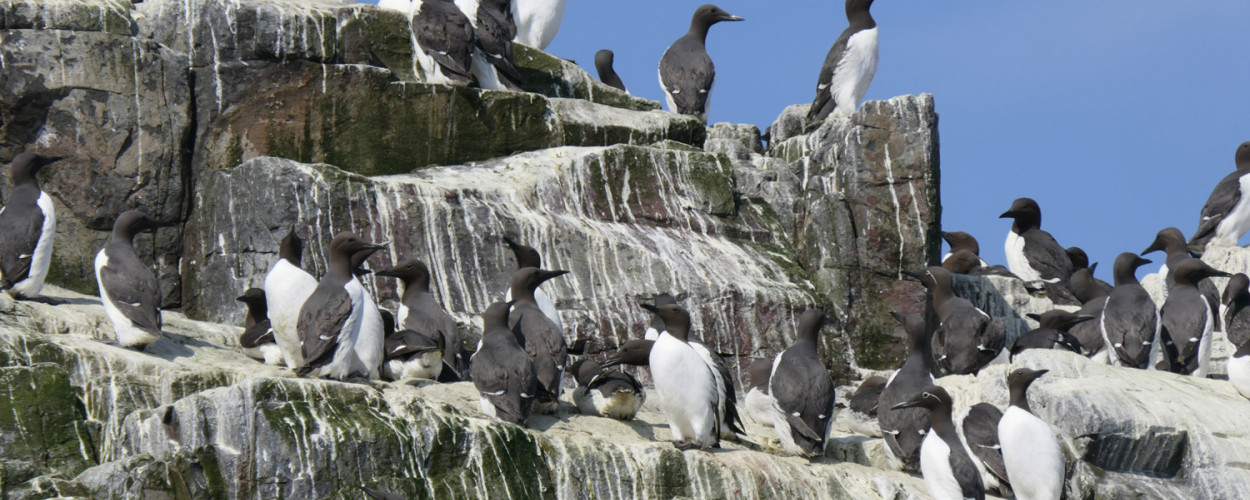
687,390
340,367
1031,454
1017,262
286,288
935,466
1157,343
487,75
722,396
427,365
268,353
545,304
399,5
1204,343
401,317
623,405
537,21
651,334
759,407
370,342
42,256
854,73
948,255
1239,374
128,335
1237,222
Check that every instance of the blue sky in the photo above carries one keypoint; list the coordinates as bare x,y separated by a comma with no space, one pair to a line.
1117,116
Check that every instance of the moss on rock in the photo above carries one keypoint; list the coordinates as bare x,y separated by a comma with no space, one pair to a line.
41,426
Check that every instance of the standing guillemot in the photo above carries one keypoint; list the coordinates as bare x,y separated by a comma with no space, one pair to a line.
1130,321
904,430
686,383
1033,254
445,40
329,322
1237,314
1092,293
527,256
257,339
966,338
1034,462
28,223
949,473
1172,242
802,391
607,75
543,339
537,21
502,372
849,66
128,289
422,314
1186,319
612,394
1051,333
980,426
759,405
494,29
1226,215
286,287
686,70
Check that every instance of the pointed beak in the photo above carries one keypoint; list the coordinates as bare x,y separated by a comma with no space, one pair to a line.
1093,267
1154,247
906,404
1141,262
1039,373
733,18
650,307
1216,273
548,275
389,273
511,243
1083,318
1007,215
897,317
914,274
1034,316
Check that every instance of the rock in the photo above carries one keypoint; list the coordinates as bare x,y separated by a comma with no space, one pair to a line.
1006,300
109,16
119,109
42,427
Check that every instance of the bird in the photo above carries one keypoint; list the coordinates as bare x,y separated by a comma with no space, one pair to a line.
128,289
527,256
636,352
1226,215
1033,254
966,338
542,338
686,70
537,21
397,5
370,343
1239,369
962,262
420,313
657,325
607,75
1085,287
1172,242
759,405
612,394
445,39
257,339
287,286
959,240
850,65
494,28
980,426
1130,321
948,470
1237,314
1186,319
502,372
1051,333
802,391
1080,260
1092,293
686,383
409,354
1034,462
903,430
862,418
28,223
329,321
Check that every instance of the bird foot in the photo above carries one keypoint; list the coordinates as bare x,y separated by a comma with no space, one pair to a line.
685,445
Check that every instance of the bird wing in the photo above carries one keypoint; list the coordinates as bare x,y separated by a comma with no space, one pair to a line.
980,428
17,247
446,35
505,378
256,335
689,84
133,291
544,343
807,412
404,343
1046,256
321,320
824,104
1183,321
494,38
1134,320
1223,198
967,474
866,402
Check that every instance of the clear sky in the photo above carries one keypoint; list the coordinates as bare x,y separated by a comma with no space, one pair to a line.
1117,116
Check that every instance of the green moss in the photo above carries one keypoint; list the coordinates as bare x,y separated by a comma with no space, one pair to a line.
40,425
234,152
184,385
72,275
549,75
672,480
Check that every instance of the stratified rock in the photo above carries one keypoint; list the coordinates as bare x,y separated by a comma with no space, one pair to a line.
1006,300
119,110
42,427
110,16
869,210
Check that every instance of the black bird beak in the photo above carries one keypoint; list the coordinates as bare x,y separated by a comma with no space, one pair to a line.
1141,262
731,17
548,275
1007,215
1034,316
906,404
1092,267
610,362
511,243
914,274
1216,273
651,308
1154,247
897,317
389,273
1083,318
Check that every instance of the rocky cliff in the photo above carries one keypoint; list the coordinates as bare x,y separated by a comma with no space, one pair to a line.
239,119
